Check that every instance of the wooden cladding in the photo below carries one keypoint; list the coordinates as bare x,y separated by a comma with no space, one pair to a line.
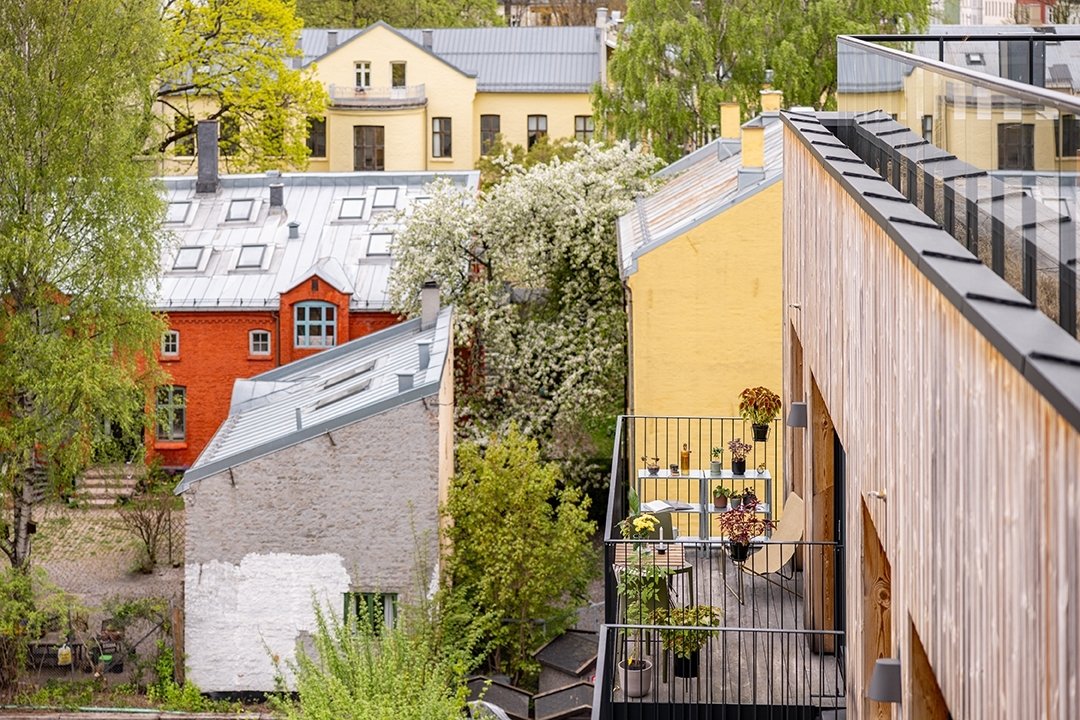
980,524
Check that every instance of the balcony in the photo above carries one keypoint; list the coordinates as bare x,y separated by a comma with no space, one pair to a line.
369,98
776,647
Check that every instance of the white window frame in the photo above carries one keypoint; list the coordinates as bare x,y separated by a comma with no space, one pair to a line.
170,343
363,73
171,403
265,334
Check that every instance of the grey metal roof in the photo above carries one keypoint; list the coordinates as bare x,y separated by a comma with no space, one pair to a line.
702,185
338,249
323,392
569,701
503,59
573,652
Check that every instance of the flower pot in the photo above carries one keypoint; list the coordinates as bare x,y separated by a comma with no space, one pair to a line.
674,469
687,667
637,681
738,467
719,502
716,467
739,551
735,500
653,469
761,432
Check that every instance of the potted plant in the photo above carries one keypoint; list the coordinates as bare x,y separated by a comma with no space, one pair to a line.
716,466
738,450
651,464
760,406
741,525
720,496
637,676
749,497
685,643
735,498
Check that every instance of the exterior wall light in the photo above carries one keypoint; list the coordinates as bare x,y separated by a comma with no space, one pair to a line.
885,684
797,415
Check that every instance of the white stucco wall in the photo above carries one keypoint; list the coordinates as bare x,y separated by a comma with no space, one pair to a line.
238,615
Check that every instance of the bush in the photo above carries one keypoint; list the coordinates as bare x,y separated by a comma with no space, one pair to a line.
28,605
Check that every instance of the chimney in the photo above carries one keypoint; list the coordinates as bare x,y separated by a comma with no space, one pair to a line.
331,40
730,120
771,100
429,305
424,346
753,145
294,230
601,18
206,138
426,37
277,196
404,382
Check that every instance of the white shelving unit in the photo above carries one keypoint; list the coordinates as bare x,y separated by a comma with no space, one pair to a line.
704,508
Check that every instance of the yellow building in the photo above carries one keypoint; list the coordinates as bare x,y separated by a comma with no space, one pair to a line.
701,262
436,99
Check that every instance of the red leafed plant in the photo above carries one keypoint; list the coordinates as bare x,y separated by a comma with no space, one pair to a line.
759,405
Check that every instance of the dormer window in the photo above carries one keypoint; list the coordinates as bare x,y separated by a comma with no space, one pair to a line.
177,211
251,256
351,209
240,210
316,325
188,258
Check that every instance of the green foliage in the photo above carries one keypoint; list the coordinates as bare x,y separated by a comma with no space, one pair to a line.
232,59
678,59
65,694
522,556
148,514
399,13
166,694
686,642
79,241
405,673
29,605
502,158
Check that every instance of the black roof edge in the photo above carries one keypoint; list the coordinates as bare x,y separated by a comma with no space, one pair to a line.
1001,314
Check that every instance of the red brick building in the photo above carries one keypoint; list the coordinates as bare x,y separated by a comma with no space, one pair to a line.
264,271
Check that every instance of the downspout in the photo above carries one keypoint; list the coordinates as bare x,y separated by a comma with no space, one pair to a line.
629,305
277,345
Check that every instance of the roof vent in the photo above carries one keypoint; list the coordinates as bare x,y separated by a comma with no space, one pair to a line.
331,40
277,196
426,36
424,346
429,305
294,230
404,382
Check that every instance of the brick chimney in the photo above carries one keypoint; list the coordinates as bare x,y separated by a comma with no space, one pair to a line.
331,40
753,145
206,140
428,38
771,101
730,120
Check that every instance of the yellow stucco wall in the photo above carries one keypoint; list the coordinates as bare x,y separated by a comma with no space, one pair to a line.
514,109
706,314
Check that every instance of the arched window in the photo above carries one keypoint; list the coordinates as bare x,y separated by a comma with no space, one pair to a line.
316,324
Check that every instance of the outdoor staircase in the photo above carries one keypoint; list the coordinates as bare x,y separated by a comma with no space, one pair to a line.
104,486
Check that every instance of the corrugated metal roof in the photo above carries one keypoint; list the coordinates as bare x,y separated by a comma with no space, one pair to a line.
323,392
703,184
503,59
206,266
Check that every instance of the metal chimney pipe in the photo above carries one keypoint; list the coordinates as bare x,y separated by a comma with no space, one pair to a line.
331,40
277,196
294,230
206,140
429,305
424,346
404,382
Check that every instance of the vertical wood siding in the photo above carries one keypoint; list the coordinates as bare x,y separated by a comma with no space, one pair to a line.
982,521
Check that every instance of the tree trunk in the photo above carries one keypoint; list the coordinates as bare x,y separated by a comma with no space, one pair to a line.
26,492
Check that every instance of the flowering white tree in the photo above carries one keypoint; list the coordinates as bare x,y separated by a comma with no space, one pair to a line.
531,267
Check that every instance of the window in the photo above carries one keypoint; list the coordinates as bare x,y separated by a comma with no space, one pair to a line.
171,413
372,611
385,198
928,128
397,74
368,147
185,146
239,210
537,128
379,243
975,59
187,258
170,343
1016,146
177,211
489,132
1067,136
251,256
583,128
363,74
441,137
316,136
259,342
351,209
316,324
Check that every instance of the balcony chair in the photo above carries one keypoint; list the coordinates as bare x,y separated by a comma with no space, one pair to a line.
777,553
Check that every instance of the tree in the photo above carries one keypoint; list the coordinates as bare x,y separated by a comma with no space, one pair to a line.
399,13
531,267
232,60
79,242
521,556
678,59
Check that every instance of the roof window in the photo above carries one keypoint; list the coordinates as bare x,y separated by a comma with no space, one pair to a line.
251,256
240,210
385,198
177,211
349,374
975,58
351,209
187,258
343,395
379,243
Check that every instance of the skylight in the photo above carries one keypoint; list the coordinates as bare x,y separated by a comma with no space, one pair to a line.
385,198
351,209
379,243
251,256
177,211
187,258
975,59
344,394
240,210
349,374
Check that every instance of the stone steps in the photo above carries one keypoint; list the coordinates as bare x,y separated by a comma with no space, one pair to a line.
104,486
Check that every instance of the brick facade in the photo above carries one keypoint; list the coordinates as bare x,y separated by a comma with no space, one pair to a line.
214,352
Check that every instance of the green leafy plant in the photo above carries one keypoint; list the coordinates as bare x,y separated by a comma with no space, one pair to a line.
29,605
685,642
721,491
759,405
718,453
